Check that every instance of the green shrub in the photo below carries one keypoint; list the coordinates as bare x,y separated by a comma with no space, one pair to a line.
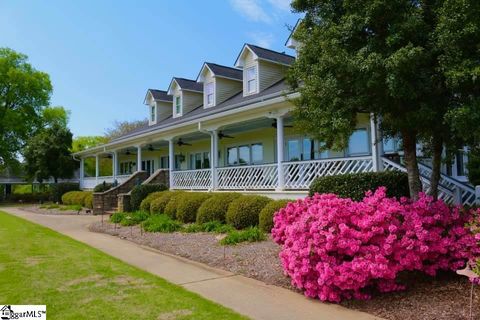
212,226
473,166
161,223
145,204
188,205
354,185
49,206
58,189
134,218
141,192
266,215
76,197
102,187
88,201
215,208
117,217
252,234
157,206
171,207
70,207
244,211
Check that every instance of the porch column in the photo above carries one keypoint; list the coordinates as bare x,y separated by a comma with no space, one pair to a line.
114,164
375,144
97,169
139,158
170,162
214,157
280,143
81,171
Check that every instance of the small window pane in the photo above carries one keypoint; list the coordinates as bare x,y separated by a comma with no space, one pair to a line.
251,79
308,149
198,161
206,160
232,156
358,143
293,150
178,106
152,114
209,92
257,153
388,145
244,155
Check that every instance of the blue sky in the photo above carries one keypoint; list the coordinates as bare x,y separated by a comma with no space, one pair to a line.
102,56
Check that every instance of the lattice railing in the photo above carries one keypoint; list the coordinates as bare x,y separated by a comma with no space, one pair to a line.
248,177
300,174
192,179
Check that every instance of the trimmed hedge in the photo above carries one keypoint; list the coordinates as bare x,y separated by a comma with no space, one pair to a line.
57,190
145,204
266,215
157,206
188,204
76,198
141,192
88,201
102,187
244,211
215,208
354,185
171,207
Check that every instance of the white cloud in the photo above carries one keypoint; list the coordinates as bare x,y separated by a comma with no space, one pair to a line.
251,9
283,5
262,39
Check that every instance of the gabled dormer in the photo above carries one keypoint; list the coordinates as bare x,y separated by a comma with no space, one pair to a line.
159,105
187,95
219,83
261,67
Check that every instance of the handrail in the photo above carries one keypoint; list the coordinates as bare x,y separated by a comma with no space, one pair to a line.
327,160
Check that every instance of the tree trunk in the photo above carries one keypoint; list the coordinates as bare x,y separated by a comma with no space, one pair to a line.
410,152
437,148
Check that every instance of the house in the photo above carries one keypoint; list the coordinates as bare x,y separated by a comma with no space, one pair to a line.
231,128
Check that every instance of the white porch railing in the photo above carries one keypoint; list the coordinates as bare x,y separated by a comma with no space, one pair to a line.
88,183
91,182
300,174
192,179
248,177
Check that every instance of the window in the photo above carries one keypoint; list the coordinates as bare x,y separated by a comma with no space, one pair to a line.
152,114
178,105
200,160
209,93
244,155
179,158
164,164
206,160
303,148
251,80
358,143
127,167
148,166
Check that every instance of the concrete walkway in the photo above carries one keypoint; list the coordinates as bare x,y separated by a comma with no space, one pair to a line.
250,297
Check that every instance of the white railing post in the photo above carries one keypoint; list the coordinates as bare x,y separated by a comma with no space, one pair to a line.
139,158
281,175
477,195
82,171
170,162
97,169
214,157
114,165
457,196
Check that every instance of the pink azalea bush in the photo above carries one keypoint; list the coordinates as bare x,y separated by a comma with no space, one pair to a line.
335,248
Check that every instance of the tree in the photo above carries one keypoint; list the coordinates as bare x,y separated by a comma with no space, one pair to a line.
121,128
392,58
47,154
55,115
24,92
85,142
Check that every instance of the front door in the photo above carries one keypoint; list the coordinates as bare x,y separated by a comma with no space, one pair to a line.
148,166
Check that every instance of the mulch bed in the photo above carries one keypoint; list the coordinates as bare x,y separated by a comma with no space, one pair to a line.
443,297
37,209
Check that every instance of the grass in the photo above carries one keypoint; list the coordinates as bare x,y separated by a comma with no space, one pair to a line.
214,226
251,234
75,281
134,218
161,223
61,207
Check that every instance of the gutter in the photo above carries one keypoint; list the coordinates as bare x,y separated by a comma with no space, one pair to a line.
254,103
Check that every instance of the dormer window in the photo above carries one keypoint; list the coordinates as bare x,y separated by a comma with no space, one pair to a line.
209,93
178,105
251,74
152,114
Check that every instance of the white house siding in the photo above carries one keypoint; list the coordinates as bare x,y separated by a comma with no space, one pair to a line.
191,100
269,73
225,88
164,110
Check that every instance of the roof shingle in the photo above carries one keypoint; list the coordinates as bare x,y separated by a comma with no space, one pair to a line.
271,55
224,71
187,84
160,95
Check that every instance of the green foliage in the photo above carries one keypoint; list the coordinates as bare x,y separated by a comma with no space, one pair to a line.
355,185
215,208
81,198
22,188
244,211
117,217
24,91
88,201
171,207
47,154
251,234
141,192
266,215
55,116
473,166
50,206
58,189
212,226
145,204
102,187
70,207
134,218
85,142
161,223
188,205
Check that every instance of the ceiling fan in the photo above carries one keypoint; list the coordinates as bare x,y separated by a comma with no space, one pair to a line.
181,143
129,153
222,135
151,148
274,124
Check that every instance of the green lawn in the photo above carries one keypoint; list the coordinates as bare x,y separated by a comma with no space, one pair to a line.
75,281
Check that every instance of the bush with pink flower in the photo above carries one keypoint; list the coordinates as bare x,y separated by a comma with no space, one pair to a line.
335,248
